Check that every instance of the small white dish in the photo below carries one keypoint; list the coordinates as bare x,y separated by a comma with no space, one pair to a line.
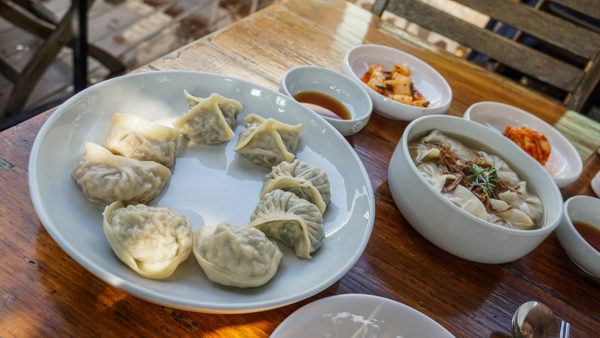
564,165
210,184
583,209
425,78
450,227
339,86
358,315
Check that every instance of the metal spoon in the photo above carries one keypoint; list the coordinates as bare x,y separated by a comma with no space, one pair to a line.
536,320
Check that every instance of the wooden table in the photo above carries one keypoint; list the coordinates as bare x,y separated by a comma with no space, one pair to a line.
43,292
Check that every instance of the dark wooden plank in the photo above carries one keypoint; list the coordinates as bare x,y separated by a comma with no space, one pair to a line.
8,70
16,142
546,27
506,51
122,16
582,186
587,7
579,97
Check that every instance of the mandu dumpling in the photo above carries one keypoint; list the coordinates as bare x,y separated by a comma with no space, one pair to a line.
241,257
304,180
268,141
135,137
209,120
106,178
152,241
290,219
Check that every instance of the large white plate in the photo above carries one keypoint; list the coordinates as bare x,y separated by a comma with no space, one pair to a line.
357,315
210,184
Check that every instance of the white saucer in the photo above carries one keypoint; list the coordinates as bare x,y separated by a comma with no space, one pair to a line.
357,315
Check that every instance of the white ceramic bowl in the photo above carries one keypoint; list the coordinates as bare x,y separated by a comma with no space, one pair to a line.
426,79
336,85
358,315
564,165
583,209
453,229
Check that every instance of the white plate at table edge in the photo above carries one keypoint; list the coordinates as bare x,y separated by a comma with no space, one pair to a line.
150,295
318,306
556,139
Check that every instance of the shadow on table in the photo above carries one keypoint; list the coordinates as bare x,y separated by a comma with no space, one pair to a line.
78,303
402,265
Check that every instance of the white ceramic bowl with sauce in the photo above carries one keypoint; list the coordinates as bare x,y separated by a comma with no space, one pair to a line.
584,209
448,226
424,77
564,165
336,85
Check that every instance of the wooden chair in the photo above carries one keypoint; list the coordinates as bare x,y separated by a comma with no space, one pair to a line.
580,41
33,17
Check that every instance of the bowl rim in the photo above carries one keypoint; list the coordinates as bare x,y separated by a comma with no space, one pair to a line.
579,162
354,119
407,55
571,226
550,224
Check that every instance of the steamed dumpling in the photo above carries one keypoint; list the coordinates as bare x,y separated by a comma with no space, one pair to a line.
152,241
106,178
209,121
304,180
439,139
466,200
241,257
432,173
524,208
268,141
137,138
290,219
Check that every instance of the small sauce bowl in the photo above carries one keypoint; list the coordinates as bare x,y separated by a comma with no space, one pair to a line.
338,86
584,209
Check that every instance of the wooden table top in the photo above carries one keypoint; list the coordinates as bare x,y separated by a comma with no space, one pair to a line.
46,293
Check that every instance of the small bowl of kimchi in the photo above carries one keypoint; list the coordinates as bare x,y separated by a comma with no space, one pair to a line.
401,86
533,135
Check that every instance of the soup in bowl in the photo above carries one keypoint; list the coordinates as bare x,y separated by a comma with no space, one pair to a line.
485,200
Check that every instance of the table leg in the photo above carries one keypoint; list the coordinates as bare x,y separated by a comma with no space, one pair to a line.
80,52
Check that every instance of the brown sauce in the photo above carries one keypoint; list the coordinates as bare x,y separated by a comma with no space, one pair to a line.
323,104
590,233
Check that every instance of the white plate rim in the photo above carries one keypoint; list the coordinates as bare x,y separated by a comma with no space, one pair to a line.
560,181
318,302
155,297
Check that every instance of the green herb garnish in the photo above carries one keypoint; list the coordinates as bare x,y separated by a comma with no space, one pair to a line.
481,177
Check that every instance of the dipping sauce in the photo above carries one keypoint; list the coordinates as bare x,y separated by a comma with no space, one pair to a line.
323,104
590,233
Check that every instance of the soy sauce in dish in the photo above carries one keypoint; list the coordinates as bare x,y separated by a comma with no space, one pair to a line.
590,233
323,104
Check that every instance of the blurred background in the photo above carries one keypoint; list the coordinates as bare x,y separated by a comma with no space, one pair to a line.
127,34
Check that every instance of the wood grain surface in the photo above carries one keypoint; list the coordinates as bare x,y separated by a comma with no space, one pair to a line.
46,293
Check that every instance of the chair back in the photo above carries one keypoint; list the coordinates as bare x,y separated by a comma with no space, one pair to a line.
565,35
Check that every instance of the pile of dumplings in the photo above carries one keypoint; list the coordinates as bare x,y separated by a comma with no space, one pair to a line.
135,165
